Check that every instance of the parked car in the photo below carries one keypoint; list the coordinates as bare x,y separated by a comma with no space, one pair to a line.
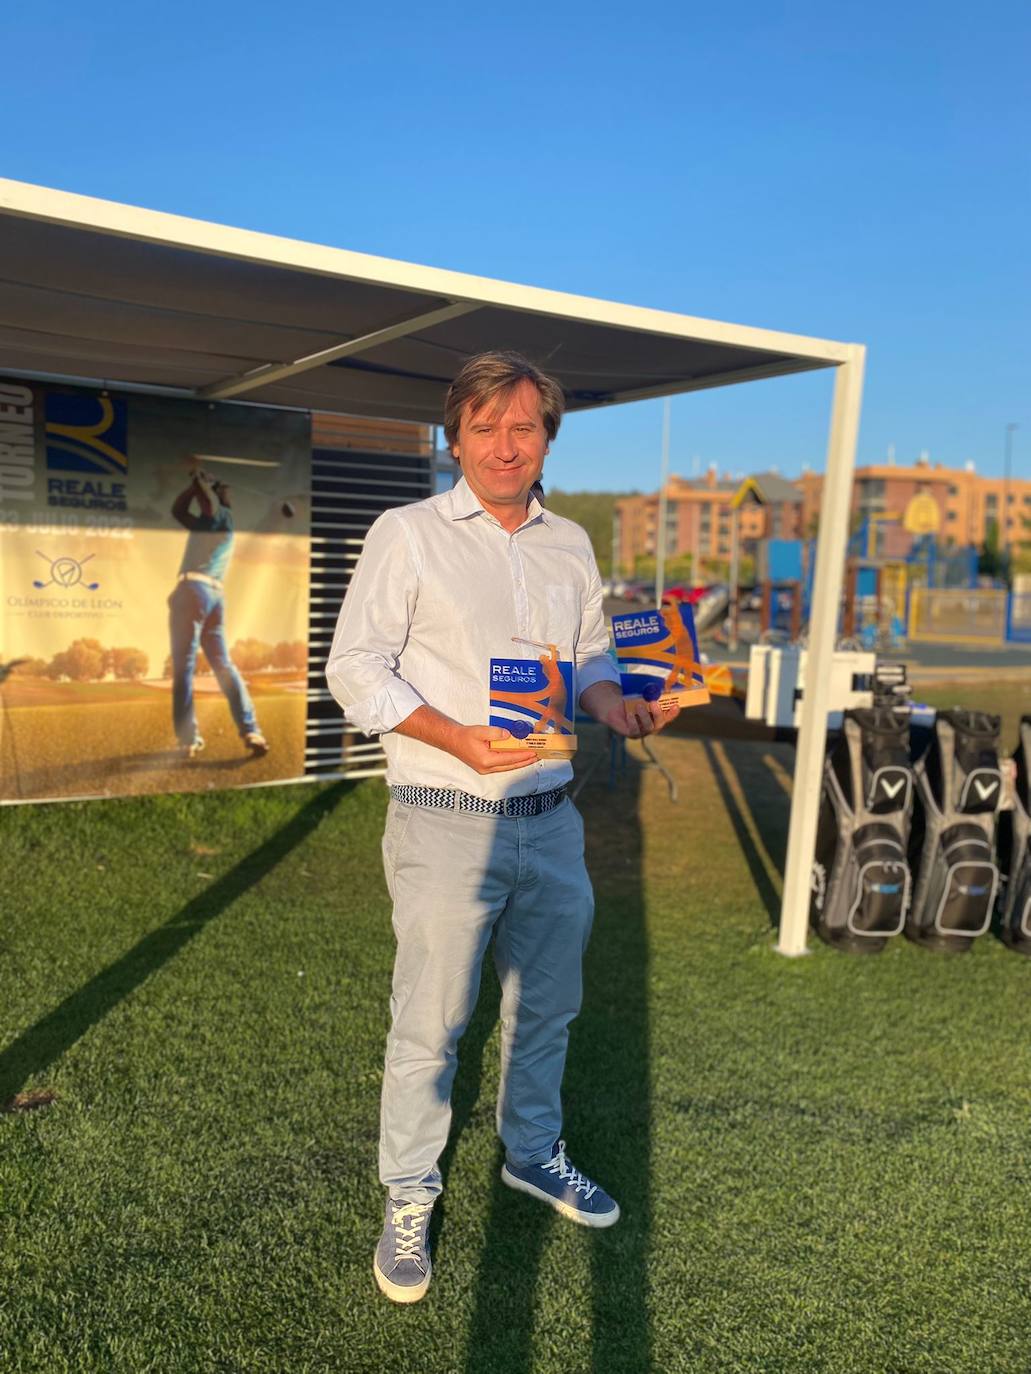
691,595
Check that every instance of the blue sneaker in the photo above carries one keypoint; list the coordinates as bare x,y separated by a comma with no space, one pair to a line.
402,1262
564,1188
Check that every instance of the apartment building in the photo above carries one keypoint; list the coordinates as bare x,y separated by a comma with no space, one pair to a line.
967,503
699,517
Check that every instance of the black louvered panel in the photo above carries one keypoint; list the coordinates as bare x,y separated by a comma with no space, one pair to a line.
350,487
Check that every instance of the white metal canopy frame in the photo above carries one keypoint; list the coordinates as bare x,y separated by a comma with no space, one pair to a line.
94,291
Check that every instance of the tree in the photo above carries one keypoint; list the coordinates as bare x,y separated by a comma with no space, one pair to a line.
991,561
288,654
127,664
1021,551
251,655
593,510
678,568
32,667
82,661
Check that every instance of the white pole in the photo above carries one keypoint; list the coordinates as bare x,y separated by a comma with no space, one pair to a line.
660,542
735,565
823,625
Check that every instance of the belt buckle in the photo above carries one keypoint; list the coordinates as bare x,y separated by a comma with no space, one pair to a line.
504,806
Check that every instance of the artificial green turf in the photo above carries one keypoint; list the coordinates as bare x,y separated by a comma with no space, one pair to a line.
823,1163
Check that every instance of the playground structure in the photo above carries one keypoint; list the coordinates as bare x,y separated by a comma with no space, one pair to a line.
896,591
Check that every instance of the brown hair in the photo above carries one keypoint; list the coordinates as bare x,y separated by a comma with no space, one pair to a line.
493,377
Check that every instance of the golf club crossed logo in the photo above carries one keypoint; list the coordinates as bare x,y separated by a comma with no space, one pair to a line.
65,572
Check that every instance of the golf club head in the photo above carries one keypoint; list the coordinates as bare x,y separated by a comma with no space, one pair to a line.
39,585
92,586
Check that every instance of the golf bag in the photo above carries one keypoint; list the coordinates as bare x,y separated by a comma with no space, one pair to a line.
951,846
861,885
1015,850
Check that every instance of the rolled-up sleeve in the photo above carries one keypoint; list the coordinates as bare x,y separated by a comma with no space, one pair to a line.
593,661
371,631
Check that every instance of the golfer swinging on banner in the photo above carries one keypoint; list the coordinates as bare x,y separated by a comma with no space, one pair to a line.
197,615
477,842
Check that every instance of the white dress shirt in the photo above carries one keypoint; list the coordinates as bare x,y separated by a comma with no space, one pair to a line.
440,589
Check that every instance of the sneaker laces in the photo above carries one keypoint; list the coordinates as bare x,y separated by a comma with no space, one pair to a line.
558,1164
408,1239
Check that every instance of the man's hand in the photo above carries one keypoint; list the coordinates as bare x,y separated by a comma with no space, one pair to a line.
634,718
470,743
472,746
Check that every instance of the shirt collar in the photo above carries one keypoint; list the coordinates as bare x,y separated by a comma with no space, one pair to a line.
464,502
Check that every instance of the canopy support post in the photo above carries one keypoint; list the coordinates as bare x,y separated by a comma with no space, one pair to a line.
823,626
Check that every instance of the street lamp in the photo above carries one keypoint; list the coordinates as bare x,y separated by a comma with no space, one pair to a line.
660,543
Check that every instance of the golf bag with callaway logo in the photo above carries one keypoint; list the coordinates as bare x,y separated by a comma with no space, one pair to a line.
951,848
861,883
1015,850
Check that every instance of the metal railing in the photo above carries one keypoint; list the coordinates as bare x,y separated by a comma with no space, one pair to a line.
945,615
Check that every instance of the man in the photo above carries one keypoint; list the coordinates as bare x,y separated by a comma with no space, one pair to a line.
477,842
197,614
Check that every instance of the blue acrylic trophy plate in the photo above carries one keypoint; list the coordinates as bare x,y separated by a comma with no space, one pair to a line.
658,656
533,699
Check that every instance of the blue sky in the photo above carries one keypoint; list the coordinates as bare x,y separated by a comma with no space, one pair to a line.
859,173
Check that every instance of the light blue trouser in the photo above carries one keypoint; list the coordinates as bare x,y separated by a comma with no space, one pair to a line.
456,877
197,618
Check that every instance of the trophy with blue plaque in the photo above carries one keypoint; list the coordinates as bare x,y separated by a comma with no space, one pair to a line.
658,656
532,698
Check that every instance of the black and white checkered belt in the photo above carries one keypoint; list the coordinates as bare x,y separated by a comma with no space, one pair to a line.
449,799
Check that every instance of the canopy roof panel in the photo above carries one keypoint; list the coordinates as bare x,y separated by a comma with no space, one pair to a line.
93,289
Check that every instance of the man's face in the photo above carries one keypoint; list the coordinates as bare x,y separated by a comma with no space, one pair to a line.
501,447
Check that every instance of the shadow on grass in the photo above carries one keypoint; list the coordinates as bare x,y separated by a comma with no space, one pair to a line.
763,818
54,1034
607,1125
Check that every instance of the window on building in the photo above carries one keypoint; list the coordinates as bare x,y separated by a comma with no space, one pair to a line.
951,515
672,529
991,500
953,491
871,491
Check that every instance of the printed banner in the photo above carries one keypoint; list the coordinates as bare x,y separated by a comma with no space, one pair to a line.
154,582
